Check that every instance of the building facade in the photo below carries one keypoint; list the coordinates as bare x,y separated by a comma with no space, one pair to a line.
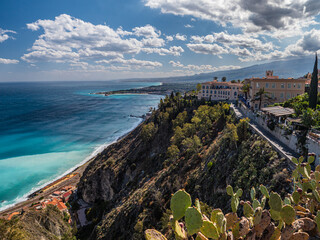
277,89
218,91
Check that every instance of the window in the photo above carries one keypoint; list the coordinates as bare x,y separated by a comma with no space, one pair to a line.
257,85
211,91
267,85
256,106
207,91
294,85
203,91
282,95
272,95
203,87
273,85
299,85
215,91
282,85
289,85
207,87
288,95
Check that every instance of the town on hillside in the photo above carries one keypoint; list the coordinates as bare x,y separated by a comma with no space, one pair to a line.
277,106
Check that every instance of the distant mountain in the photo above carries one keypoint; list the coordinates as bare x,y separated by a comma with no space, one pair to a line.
289,68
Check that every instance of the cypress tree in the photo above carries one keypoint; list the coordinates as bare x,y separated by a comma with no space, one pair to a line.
313,93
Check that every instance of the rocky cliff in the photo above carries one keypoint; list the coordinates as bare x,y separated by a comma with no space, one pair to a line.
182,145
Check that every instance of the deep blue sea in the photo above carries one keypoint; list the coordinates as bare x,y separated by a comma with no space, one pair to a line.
48,128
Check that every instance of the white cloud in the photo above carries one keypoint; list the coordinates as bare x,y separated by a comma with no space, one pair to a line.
201,68
205,48
169,38
72,40
147,31
8,61
181,37
4,34
188,26
174,50
132,63
283,18
238,40
308,44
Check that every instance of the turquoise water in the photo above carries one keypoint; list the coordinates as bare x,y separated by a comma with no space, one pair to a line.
48,128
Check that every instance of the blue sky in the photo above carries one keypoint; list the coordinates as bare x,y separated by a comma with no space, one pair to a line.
103,40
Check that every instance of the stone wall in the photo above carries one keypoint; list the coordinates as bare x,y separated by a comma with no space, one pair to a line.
289,140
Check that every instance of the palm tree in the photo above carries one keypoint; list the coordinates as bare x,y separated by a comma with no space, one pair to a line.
245,89
260,94
224,79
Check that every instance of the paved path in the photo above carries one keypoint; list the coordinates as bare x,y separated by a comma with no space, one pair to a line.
281,148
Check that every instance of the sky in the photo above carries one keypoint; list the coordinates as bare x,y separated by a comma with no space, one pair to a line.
116,39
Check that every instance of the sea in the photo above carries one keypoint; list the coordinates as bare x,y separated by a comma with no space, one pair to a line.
49,128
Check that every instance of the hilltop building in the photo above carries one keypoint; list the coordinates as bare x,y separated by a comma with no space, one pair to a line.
217,91
277,89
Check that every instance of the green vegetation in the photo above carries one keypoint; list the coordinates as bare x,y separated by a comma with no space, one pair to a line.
297,216
46,224
198,146
313,93
310,117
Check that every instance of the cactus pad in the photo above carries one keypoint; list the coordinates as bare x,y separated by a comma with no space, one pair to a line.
230,190
179,203
247,210
209,230
288,214
193,220
264,191
275,202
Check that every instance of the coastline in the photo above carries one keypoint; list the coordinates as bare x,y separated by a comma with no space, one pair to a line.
36,194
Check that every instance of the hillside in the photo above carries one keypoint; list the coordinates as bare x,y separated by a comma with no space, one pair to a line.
285,68
45,224
184,144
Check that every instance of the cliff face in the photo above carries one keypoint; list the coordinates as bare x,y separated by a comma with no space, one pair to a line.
46,224
130,183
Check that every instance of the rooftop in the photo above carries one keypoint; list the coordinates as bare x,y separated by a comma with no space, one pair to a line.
278,111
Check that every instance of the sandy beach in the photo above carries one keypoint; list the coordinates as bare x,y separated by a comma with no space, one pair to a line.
46,191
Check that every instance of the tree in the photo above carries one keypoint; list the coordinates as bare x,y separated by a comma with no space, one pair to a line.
260,94
308,118
199,87
233,81
224,79
313,94
243,129
215,78
245,89
148,131
173,152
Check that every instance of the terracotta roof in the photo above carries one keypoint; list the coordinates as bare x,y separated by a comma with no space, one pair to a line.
67,194
61,206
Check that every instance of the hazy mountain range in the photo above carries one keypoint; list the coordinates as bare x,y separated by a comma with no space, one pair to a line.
287,68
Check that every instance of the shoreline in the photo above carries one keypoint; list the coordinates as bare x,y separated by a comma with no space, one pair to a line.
61,181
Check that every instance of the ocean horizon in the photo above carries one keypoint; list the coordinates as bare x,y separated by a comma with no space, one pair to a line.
49,128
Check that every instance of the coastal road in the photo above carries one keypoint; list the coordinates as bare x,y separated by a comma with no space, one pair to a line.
277,145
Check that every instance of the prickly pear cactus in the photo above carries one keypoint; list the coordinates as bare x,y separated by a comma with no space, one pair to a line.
179,203
193,220
209,230
288,214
